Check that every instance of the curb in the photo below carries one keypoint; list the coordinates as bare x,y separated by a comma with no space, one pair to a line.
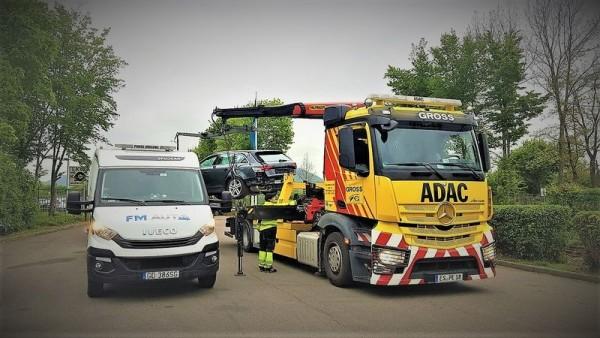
22,235
559,273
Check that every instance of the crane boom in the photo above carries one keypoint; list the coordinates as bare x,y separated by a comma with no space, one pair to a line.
294,110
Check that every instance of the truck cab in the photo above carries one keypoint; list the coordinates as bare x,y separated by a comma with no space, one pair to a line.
150,218
410,172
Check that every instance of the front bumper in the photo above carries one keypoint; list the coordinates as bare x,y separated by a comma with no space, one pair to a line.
424,264
103,266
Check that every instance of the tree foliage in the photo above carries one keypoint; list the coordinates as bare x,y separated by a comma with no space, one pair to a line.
273,133
484,69
58,76
564,51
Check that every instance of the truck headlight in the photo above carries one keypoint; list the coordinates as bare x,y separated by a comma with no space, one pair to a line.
488,252
103,232
207,229
385,261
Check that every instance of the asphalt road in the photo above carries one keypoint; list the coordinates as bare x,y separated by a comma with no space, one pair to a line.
43,294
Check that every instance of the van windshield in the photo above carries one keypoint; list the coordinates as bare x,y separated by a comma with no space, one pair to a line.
151,186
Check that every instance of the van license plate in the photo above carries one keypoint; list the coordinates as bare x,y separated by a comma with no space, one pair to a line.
449,277
161,275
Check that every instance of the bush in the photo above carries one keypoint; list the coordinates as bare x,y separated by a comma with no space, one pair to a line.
587,224
531,231
17,196
578,199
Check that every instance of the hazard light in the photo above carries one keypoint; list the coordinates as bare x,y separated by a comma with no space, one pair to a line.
399,100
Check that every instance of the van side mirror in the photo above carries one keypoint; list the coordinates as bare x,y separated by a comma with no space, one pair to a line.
484,151
75,204
346,140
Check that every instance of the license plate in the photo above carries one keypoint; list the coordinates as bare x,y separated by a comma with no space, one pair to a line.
449,277
161,275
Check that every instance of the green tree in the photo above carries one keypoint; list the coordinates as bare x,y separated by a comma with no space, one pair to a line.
451,70
84,77
536,161
504,108
273,133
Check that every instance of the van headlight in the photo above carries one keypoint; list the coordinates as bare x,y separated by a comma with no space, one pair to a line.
207,229
103,232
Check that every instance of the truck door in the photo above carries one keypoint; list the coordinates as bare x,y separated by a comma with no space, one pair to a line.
353,190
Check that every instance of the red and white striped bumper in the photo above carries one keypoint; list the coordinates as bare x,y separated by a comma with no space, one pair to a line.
396,241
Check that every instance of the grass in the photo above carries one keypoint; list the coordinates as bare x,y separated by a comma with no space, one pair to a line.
570,264
42,219
43,223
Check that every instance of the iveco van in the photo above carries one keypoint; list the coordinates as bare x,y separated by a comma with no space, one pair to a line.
151,218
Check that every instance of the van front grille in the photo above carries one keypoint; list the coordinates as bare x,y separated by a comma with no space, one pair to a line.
157,244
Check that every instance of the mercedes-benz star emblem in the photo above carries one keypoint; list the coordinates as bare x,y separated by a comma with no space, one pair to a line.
446,213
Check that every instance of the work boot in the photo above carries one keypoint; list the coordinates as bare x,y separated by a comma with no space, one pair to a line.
262,268
270,269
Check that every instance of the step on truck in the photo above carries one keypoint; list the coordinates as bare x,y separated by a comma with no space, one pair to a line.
150,218
404,198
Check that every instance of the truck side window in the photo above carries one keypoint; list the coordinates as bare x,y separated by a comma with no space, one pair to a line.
361,148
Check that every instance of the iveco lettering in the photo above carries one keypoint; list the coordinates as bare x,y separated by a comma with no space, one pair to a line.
150,218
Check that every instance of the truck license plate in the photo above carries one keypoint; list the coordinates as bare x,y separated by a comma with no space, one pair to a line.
449,277
161,275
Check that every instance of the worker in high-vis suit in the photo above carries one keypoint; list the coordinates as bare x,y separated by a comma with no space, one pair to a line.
268,232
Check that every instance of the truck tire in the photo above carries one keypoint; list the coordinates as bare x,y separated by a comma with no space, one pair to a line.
336,260
95,289
207,282
237,188
247,244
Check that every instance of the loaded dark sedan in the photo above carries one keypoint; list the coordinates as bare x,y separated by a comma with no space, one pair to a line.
244,172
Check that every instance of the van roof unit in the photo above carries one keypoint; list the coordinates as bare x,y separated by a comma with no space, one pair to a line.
146,147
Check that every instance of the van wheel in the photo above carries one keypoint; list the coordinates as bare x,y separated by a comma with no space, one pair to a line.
95,289
207,282
237,188
337,261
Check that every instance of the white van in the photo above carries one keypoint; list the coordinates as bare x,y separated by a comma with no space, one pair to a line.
151,218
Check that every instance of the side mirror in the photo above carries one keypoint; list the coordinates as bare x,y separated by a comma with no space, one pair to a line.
484,151
346,140
74,203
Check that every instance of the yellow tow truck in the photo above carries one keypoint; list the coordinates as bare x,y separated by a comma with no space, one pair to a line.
404,198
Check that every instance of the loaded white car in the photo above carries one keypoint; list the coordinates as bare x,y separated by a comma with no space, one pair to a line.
151,218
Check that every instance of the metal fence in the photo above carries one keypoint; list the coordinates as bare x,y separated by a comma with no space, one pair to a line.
43,198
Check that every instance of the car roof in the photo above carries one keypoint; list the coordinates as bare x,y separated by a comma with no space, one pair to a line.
249,151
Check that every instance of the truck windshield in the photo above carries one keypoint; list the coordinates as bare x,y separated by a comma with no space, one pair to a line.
439,150
151,186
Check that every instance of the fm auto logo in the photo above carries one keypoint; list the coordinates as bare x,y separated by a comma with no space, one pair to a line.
144,218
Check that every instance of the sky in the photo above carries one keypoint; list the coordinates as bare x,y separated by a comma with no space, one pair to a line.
186,57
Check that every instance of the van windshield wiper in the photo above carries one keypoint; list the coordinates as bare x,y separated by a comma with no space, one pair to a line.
460,165
124,200
422,164
169,201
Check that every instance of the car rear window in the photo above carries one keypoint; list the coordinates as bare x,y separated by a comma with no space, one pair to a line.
273,157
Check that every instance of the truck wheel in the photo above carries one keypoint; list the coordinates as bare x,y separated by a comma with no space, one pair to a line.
207,282
337,260
247,244
95,289
237,188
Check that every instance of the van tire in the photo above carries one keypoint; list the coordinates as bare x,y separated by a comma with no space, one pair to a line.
95,289
207,282
336,260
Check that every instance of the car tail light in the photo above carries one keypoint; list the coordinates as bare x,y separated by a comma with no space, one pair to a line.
262,168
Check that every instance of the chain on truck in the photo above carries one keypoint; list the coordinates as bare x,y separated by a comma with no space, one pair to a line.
404,198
